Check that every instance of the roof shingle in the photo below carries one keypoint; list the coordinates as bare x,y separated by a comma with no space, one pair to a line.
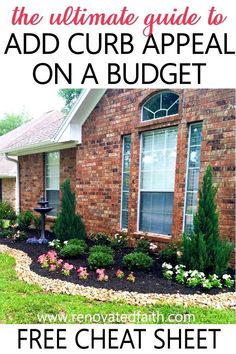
36,131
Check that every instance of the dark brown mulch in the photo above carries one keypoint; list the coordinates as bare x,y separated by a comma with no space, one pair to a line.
151,282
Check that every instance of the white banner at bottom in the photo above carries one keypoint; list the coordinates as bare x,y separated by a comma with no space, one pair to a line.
71,339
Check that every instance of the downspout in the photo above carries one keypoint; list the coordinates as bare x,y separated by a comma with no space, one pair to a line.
17,181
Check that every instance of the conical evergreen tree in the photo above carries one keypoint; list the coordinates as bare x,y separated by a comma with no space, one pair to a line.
206,220
68,224
204,250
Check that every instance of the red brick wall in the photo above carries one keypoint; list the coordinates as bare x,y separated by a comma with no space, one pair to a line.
31,180
95,166
9,190
32,176
98,183
68,166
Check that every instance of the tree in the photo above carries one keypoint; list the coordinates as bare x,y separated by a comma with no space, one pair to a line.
70,96
205,248
68,224
12,121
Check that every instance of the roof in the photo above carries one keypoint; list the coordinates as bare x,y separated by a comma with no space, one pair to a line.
39,131
7,168
52,131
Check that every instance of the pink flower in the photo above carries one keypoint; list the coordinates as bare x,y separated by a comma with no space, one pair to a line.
100,271
101,276
120,274
42,258
82,273
59,262
52,268
68,266
66,269
52,256
43,261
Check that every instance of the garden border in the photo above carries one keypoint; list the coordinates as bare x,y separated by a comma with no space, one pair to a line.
56,286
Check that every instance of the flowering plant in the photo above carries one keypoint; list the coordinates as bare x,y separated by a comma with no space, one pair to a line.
153,247
52,257
82,273
167,271
215,281
166,266
120,274
52,267
50,260
43,261
101,275
119,241
228,282
181,274
18,236
131,277
66,269
55,244
193,278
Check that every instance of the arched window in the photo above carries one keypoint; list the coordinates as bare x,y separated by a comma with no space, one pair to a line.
162,104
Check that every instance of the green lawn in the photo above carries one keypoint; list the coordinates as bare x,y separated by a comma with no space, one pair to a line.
23,303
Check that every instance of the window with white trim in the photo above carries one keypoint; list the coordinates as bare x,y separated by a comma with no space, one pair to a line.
52,180
157,180
160,105
192,175
125,181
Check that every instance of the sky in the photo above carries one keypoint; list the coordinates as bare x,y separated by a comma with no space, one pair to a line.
33,100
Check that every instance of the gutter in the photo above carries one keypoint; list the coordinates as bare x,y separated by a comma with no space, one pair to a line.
39,148
17,181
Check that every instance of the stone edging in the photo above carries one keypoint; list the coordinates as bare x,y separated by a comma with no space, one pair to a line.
56,286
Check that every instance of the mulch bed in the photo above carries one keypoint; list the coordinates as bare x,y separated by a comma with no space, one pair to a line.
151,282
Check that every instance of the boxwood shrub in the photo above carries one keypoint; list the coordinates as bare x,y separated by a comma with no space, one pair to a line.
100,260
100,248
72,250
137,260
77,242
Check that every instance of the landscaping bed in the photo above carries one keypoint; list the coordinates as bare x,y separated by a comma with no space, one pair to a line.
146,282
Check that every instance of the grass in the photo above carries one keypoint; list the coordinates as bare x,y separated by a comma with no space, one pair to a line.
23,303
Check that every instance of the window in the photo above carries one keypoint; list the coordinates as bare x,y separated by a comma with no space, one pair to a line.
52,180
125,181
192,175
161,105
157,179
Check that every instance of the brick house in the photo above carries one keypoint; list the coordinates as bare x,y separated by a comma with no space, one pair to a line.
135,158
7,181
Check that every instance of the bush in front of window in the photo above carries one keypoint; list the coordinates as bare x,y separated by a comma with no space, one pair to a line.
24,220
170,253
68,224
119,241
204,250
143,246
137,260
100,260
101,238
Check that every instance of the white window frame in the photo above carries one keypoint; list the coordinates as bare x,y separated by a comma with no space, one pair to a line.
187,172
45,173
139,184
122,179
159,94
